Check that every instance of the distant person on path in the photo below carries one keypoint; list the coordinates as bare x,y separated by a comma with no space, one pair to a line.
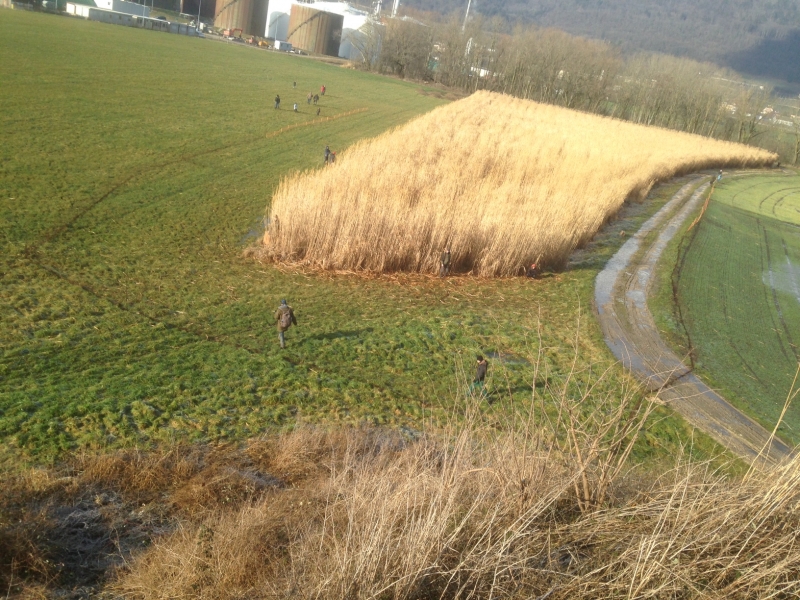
308,98
295,107
322,90
481,366
277,102
285,319
444,263
719,175
318,111
294,84
333,157
327,154
316,98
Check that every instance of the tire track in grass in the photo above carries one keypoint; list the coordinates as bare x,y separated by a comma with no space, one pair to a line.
156,168
769,196
31,251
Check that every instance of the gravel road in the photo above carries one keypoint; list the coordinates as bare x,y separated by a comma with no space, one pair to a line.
621,291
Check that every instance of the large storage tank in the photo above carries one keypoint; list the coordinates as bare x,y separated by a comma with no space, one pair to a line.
315,30
239,14
258,20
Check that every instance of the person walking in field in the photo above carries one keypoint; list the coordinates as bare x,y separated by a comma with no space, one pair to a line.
285,318
277,101
308,98
719,175
333,157
481,367
327,154
316,99
444,263
318,109
322,90
295,107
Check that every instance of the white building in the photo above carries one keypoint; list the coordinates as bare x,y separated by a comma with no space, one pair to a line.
122,6
354,20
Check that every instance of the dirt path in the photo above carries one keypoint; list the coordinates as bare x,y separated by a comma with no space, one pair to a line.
621,291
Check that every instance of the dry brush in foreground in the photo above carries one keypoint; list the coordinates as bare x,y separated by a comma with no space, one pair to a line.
529,511
526,513
502,182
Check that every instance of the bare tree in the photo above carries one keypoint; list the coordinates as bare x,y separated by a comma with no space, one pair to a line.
367,42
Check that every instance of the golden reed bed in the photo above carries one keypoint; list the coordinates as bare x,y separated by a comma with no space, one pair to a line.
503,182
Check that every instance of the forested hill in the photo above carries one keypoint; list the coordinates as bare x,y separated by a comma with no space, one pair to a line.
759,37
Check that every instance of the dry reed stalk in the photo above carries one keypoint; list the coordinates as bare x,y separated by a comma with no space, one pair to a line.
500,181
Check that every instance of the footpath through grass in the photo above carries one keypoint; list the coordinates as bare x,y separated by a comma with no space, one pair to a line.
135,167
736,278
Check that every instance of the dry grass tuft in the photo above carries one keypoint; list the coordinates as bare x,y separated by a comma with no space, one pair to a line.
501,181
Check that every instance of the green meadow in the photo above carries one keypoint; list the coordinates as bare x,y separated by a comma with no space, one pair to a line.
736,307
135,169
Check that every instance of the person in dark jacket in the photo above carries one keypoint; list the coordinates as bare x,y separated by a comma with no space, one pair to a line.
285,318
277,101
481,366
444,263
327,154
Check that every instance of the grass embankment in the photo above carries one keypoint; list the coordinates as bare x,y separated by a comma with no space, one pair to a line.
736,279
134,172
503,182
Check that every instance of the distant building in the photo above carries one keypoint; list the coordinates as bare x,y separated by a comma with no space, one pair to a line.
89,10
123,6
280,11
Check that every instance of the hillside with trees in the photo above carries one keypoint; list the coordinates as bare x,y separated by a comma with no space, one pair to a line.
757,38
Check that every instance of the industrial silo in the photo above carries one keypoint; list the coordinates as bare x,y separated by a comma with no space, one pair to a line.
315,30
234,14
258,20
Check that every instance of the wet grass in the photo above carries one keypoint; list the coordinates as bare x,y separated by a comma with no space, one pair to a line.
135,167
736,278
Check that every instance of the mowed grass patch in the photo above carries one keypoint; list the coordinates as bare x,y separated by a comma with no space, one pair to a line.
135,170
737,276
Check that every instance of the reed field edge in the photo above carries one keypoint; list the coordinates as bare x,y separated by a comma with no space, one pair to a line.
502,182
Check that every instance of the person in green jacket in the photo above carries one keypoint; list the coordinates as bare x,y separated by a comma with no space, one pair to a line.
285,318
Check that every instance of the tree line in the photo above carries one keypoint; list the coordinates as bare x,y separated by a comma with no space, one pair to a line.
733,33
554,67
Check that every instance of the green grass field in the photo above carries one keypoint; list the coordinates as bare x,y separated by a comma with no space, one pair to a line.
136,166
738,289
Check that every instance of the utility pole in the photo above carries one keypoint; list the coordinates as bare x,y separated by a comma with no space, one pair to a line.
466,16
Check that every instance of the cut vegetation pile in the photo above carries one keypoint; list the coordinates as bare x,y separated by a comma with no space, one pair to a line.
502,182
